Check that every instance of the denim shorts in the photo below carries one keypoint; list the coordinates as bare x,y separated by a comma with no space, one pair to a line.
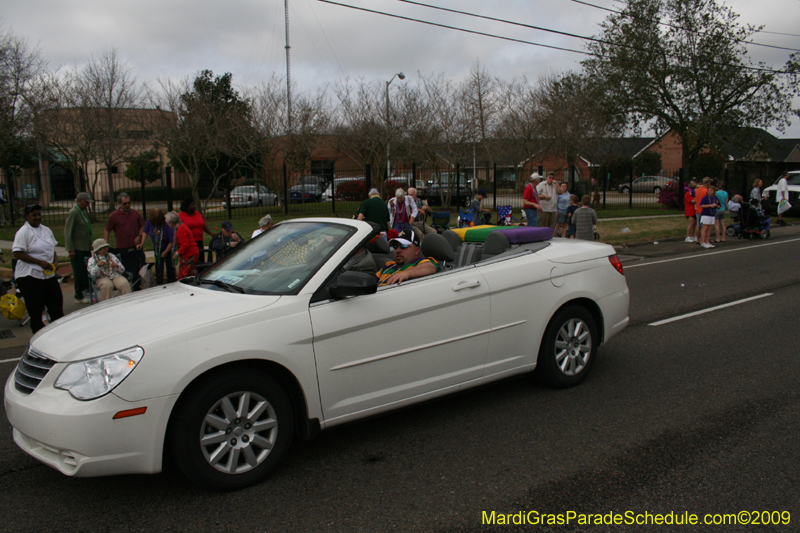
562,218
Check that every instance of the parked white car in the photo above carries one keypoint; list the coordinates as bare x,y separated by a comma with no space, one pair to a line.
251,196
793,185
277,342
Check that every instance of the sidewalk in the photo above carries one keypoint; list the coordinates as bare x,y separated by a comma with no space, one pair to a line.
12,334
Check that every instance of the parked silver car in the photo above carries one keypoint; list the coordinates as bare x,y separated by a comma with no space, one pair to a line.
652,184
251,196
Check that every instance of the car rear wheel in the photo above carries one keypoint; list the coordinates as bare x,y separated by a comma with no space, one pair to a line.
231,431
624,190
657,190
569,348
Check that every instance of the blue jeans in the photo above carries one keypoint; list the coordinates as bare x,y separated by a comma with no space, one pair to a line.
401,227
533,217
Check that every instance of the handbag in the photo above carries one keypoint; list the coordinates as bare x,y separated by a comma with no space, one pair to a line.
12,307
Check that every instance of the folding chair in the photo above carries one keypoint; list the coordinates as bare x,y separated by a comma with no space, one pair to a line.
440,221
465,217
94,291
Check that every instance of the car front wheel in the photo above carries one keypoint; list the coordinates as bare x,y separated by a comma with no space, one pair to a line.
657,190
624,190
231,431
569,348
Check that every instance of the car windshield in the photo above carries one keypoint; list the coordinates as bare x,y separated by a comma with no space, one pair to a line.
242,190
280,261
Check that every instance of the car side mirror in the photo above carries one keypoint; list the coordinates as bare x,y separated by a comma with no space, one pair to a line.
354,284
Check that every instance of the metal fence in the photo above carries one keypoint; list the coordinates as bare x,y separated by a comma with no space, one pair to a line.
287,192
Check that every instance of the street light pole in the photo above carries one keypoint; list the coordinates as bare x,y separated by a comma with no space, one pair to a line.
388,124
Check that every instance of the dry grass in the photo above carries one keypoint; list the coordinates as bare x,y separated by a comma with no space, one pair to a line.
641,229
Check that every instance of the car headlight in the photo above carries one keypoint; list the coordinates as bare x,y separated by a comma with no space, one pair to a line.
90,379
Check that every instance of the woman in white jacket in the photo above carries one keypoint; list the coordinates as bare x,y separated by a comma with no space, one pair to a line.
401,212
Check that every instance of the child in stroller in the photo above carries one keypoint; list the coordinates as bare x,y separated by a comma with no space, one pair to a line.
750,221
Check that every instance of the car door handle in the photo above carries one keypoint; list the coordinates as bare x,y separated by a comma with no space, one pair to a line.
466,285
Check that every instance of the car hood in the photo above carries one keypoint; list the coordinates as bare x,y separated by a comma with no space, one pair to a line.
139,318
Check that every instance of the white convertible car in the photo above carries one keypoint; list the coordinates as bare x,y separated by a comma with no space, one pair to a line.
279,341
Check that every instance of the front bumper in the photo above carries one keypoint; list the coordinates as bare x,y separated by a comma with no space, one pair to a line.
81,438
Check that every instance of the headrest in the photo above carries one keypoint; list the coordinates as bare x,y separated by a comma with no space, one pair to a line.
436,246
496,243
378,246
452,239
524,234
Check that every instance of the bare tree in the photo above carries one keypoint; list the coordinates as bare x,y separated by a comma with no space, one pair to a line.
64,122
482,103
518,127
361,127
571,117
109,87
20,67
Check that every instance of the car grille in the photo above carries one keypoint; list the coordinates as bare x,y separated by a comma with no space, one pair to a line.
31,370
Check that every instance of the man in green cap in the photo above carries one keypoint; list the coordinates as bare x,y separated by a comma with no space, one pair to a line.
78,237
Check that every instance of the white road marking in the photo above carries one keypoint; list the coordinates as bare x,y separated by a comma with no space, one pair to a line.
709,254
10,360
723,306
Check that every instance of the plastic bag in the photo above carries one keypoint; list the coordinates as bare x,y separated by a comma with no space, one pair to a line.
147,276
784,206
12,307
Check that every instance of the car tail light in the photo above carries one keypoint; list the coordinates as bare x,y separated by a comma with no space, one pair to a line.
616,264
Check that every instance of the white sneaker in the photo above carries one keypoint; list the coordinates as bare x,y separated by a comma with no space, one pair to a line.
688,239
706,245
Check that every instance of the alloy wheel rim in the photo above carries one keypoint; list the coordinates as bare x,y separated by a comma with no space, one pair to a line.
238,432
573,347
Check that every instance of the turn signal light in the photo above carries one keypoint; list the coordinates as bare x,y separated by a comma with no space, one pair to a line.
130,412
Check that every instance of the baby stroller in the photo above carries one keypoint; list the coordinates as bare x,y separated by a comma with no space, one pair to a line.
752,222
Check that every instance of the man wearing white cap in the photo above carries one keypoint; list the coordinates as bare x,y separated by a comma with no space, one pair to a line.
530,200
407,264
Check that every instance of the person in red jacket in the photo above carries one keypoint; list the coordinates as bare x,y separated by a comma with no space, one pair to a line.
196,223
186,250
689,209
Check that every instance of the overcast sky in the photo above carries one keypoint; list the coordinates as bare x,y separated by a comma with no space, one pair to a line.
178,38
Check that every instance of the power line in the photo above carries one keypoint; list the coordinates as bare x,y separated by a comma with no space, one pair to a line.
679,28
512,22
392,15
456,28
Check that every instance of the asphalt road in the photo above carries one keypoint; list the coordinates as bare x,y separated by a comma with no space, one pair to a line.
699,415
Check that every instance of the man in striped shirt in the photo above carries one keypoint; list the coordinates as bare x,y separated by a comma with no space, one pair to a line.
584,219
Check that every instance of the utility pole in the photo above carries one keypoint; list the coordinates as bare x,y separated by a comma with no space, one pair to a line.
288,72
